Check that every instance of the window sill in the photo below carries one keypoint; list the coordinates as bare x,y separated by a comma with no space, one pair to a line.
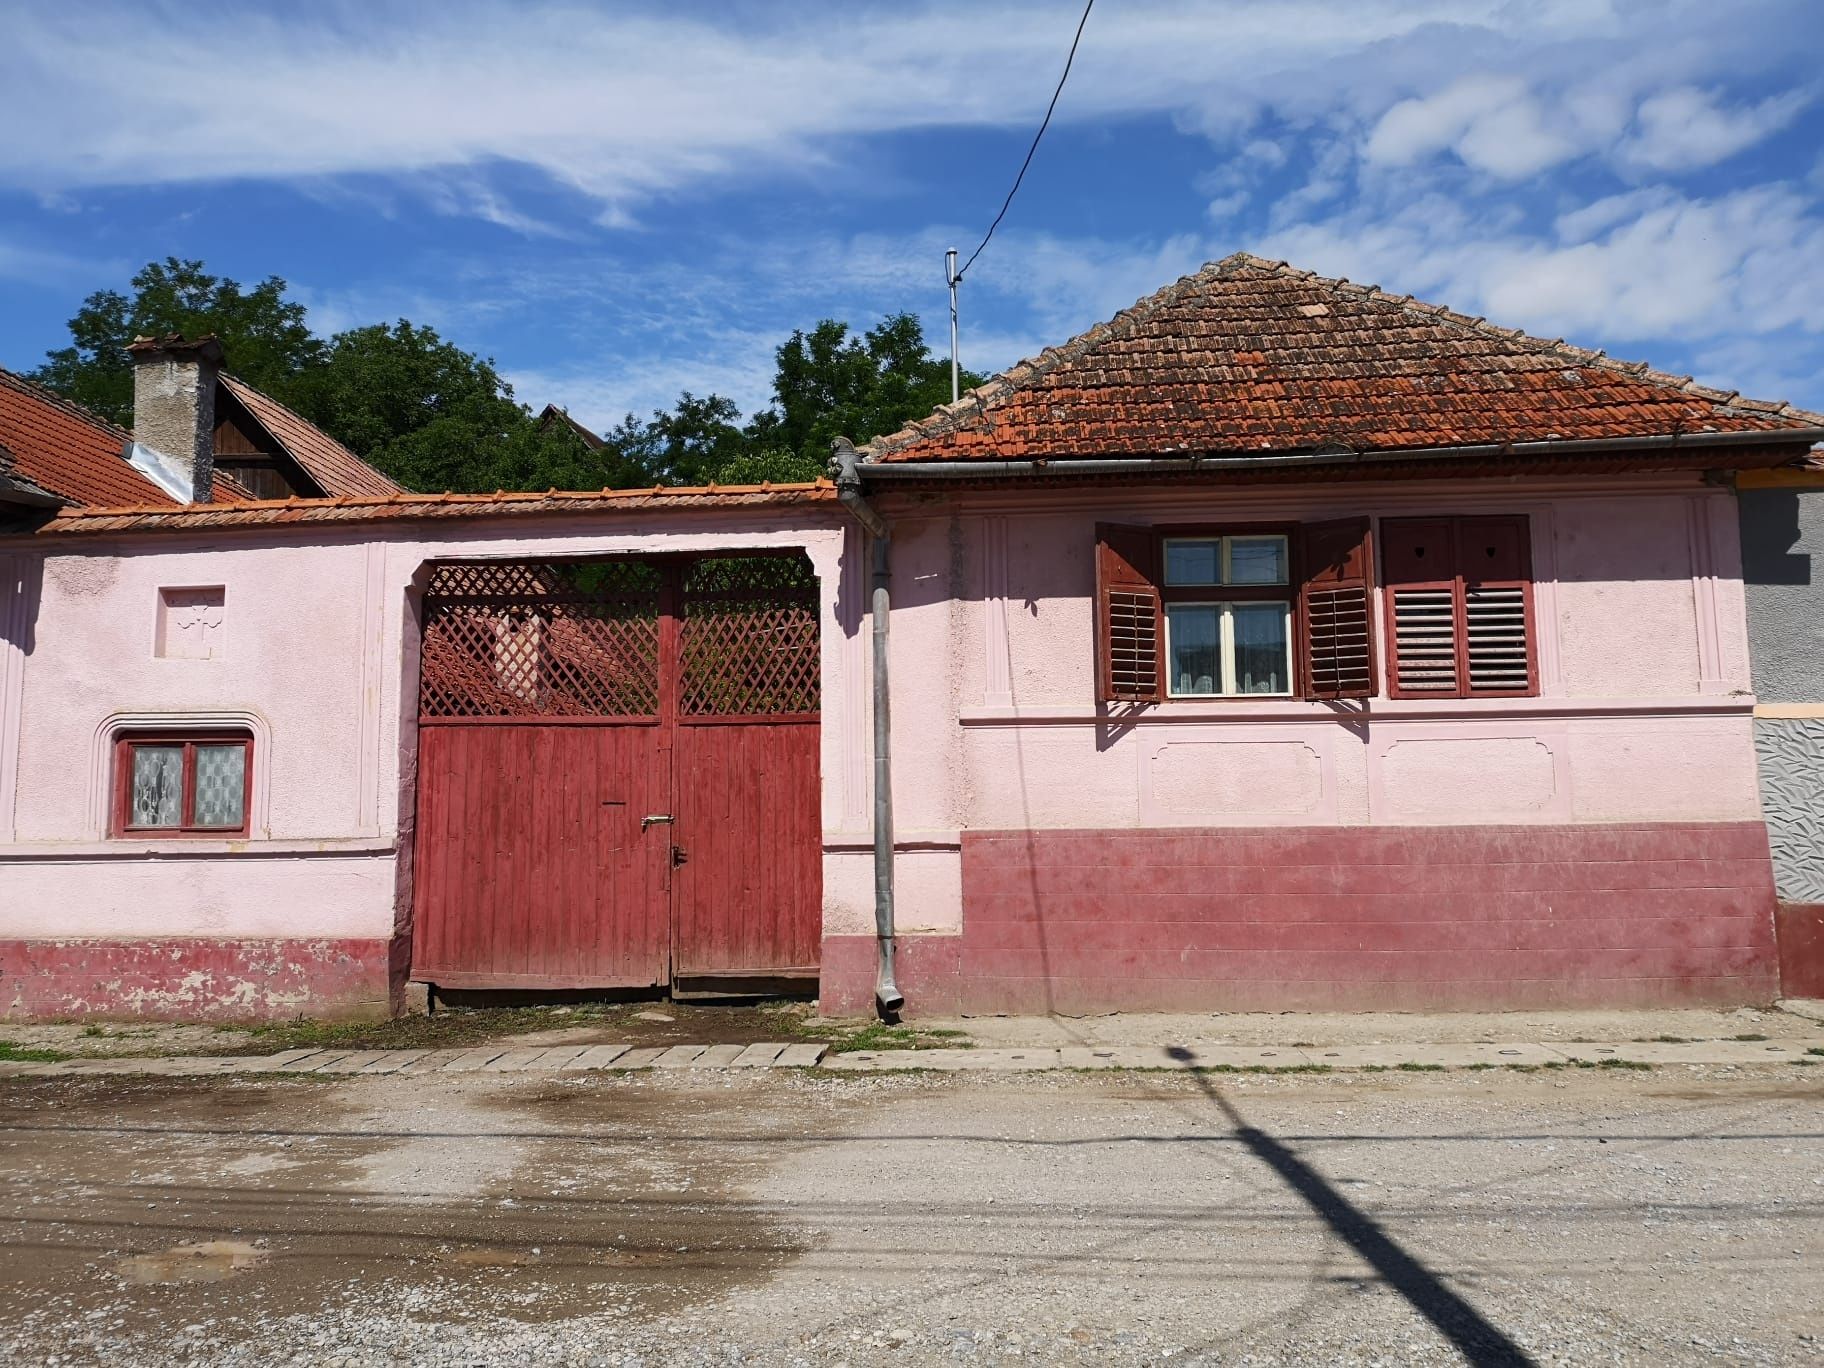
186,847
1278,709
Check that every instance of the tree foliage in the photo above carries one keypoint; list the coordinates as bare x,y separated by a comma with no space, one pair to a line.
260,328
436,417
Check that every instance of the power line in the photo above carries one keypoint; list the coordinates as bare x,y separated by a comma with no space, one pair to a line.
1007,203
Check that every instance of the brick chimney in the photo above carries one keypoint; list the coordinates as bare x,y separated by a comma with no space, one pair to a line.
174,412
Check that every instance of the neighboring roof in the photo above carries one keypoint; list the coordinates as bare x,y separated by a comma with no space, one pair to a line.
338,470
1249,356
433,507
17,489
62,447
553,416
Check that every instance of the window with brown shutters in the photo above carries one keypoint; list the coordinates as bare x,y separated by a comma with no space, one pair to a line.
1129,639
1335,613
1459,607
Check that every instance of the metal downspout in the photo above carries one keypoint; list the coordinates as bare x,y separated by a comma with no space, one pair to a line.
887,997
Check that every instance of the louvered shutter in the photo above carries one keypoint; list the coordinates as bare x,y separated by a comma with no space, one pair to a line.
1419,576
1129,637
1493,566
1334,598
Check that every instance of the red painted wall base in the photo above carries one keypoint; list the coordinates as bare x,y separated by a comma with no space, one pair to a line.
195,980
1801,934
1342,919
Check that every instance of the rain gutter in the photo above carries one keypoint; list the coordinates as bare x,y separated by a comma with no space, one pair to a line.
1065,466
887,997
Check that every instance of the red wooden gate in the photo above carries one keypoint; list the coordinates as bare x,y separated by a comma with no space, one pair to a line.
618,773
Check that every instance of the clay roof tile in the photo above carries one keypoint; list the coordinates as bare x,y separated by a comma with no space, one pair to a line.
1251,355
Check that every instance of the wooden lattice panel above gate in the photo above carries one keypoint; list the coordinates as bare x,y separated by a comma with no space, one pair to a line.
541,639
748,638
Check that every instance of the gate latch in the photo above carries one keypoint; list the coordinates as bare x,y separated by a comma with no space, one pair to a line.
653,819
679,856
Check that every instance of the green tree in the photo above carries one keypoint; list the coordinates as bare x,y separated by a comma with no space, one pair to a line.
264,334
827,382
435,417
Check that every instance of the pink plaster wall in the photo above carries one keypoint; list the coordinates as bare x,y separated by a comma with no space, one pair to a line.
1643,714
317,658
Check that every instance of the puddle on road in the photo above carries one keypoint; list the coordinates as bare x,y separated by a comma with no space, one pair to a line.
211,1261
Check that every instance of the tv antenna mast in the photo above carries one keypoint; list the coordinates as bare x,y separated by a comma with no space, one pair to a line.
954,277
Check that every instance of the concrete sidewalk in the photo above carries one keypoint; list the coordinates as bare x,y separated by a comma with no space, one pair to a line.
504,1058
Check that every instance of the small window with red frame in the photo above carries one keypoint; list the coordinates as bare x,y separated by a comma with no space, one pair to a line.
182,784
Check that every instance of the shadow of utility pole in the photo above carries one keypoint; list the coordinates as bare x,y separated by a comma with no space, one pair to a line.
1479,1341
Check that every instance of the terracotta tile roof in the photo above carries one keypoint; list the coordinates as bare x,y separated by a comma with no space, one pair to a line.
432,507
64,448
1249,355
328,462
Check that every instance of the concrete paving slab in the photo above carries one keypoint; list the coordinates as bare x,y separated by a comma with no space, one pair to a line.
719,1056
353,1063
642,1058
801,1056
433,1061
555,1057
758,1056
679,1057
311,1062
393,1061
513,1061
596,1057
1812,1009
1428,1056
950,1061
281,1059
1693,1052
473,1061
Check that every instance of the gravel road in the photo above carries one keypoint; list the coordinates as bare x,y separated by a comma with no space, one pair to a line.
1662,1217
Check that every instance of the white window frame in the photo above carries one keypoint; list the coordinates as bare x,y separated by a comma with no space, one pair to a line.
1229,683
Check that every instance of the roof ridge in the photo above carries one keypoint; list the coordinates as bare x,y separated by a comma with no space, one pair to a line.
407,497
39,390
950,417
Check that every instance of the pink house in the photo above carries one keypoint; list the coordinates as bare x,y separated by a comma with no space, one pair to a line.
1280,643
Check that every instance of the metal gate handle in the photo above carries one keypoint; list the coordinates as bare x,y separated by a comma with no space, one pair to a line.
653,819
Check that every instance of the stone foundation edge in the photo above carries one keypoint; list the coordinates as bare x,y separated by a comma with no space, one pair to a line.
196,979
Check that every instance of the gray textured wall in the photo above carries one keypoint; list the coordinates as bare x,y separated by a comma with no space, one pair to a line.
1783,569
1791,752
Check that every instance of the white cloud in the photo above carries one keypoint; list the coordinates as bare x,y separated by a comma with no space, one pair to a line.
621,104
1651,268
1682,128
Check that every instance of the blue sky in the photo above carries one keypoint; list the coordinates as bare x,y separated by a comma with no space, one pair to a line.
620,201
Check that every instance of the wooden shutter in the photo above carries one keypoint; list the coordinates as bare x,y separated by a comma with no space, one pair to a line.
1130,645
1334,598
1459,606
1419,574
1493,564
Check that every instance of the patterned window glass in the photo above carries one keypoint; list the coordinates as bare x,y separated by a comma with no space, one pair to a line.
221,783
158,786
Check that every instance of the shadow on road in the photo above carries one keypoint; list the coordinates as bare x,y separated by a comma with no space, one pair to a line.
1479,1341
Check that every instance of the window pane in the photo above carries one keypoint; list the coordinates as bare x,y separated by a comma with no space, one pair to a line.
1257,560
1193,660
1263,658
221,781
158,787
1193,561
